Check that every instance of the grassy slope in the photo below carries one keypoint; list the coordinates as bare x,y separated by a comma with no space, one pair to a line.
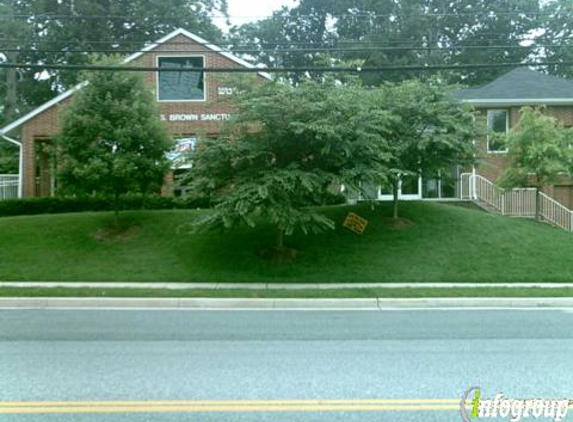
446,244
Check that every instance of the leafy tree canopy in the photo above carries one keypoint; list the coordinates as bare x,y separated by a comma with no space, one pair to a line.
557,32
432,131
383,32
285,147
9,155
288,144
112,141
539,147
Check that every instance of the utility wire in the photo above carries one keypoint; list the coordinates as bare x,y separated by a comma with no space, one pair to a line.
129,18
280,69
340,41
302,50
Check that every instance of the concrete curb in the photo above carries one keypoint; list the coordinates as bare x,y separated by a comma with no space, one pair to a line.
187,303
275,286
293,304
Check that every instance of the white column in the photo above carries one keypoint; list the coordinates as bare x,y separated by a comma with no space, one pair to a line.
21,172
473,184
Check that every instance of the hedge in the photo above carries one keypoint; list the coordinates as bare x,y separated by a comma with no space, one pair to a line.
59,205
56,205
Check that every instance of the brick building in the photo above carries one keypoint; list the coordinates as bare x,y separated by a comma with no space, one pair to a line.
498,104
191,103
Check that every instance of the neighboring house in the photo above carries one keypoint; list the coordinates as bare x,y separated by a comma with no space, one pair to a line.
189,102
498,104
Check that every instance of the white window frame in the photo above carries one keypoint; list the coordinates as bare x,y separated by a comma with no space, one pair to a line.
488,119
205,84
402,196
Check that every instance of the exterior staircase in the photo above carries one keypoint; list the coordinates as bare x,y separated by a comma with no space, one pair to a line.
519,202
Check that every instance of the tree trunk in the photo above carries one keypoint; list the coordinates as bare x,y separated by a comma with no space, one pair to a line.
116,210
280,239
395,199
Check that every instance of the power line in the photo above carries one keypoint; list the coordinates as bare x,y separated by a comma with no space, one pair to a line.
130,18
281,69
304,50
303,46
341,41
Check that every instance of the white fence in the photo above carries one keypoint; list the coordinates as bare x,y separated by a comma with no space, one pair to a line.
466,186
555,213
8,186
520,202
487,192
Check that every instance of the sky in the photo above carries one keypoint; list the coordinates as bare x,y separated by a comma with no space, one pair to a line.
243,11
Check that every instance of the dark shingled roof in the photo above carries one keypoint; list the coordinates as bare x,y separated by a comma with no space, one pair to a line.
520,84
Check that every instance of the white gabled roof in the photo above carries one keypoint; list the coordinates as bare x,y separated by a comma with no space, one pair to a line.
8,128
198,40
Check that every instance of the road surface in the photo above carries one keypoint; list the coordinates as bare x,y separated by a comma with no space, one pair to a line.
155,365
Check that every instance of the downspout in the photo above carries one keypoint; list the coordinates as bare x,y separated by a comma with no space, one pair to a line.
20,163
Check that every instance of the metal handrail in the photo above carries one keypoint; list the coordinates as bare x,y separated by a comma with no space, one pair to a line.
555,213
518,202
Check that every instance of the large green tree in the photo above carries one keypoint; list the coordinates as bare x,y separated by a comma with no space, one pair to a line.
540,147
9,154
557,27
431,131
112,141
283,150
300,28
384,32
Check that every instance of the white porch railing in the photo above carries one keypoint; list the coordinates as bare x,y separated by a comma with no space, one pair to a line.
487,192
8,186
466,184
520,202
555,213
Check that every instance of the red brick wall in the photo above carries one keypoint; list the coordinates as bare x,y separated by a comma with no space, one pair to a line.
46,124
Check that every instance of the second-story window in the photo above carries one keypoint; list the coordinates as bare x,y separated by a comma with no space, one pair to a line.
181,86
498,124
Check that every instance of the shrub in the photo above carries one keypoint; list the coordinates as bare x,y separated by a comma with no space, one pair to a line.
57,205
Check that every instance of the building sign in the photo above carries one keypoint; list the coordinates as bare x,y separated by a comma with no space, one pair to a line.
355,223
213,117
223,90
179,156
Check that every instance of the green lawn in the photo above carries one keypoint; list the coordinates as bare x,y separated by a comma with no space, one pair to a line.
445,244
60,292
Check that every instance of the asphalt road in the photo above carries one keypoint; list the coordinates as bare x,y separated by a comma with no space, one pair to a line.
76,366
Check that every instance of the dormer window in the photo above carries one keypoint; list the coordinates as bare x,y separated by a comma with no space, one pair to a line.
184,85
